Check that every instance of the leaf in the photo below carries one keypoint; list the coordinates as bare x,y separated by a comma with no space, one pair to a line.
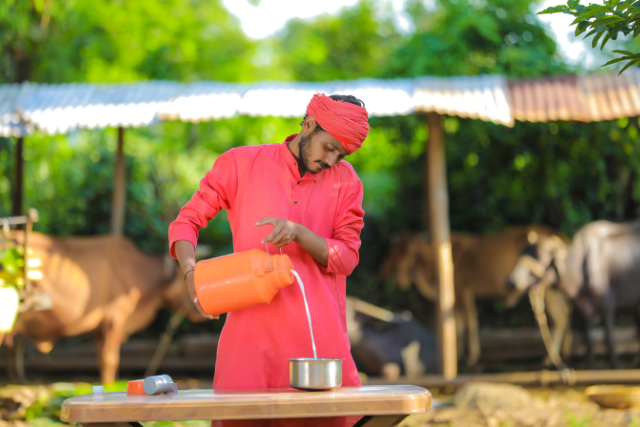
629,64
605,40
624,52
607,20
589,13
594,42
554,9
622,7
590,33
614,61
582,27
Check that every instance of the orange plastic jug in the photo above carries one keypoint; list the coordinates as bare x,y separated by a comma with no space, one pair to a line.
240,280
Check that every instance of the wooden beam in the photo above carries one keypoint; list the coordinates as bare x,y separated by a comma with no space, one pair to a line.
527,379
18,191
119,188
439,224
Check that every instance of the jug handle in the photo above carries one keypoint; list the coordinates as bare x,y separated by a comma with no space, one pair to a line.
266,246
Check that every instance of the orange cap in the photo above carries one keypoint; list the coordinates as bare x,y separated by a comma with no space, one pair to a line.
135,387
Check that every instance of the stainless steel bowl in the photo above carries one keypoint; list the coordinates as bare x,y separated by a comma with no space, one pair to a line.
315,374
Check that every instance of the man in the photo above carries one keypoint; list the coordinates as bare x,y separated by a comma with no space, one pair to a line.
300,197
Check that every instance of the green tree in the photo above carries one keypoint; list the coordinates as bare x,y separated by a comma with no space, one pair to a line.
350,45
115,41
609,20
471,38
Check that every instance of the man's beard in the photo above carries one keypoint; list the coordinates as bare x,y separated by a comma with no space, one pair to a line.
305,155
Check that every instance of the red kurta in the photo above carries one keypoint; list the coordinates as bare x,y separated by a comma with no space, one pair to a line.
263,181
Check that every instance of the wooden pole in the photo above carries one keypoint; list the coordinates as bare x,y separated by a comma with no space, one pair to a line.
439,223
18,192
119,188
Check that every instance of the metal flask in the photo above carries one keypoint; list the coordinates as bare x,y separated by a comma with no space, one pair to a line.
315,374
157,384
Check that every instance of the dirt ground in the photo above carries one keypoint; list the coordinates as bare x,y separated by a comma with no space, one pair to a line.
475,405
505,405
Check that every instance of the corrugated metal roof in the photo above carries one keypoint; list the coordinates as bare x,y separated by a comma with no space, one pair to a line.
478,97
10,123
65,107
62,108
611,96
382,97
586,99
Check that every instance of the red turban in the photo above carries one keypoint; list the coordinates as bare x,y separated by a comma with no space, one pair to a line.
345,121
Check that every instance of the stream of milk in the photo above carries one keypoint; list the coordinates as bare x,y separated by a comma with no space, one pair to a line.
313,342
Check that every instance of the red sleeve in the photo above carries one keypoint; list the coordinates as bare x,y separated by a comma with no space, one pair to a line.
217,191
345,242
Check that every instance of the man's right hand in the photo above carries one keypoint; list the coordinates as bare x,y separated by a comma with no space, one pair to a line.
186,254
191,289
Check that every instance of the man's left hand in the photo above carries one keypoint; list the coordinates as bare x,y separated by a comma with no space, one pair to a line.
284,231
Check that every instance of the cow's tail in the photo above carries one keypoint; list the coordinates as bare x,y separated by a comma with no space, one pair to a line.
170,269
595,277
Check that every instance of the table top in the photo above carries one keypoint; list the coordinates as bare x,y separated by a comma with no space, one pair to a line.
246,404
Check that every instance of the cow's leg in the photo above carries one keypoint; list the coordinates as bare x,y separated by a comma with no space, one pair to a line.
567,339
108,343
20,352
473,333
609,312
559,312
586,317
637,317
112,333
15,359
461,327
98,339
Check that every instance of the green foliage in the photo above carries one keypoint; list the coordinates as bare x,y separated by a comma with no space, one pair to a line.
471,38
115,41
11,264
609,20
351,45
40,406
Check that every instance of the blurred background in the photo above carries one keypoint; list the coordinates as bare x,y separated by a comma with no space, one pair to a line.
562,174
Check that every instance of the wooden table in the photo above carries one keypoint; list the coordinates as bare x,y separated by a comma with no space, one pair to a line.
381,406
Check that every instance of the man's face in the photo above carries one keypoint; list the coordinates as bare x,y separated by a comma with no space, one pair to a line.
319,151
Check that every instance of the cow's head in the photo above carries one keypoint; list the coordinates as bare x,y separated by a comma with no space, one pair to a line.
175,295
542,259
411,261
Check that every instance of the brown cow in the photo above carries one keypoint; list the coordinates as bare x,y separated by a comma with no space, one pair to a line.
599,271
481,265
103,285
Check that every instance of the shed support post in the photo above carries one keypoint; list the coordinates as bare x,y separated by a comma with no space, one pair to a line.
18,191
119,188
441,241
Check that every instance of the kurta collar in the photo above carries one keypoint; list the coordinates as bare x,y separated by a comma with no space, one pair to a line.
292,163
